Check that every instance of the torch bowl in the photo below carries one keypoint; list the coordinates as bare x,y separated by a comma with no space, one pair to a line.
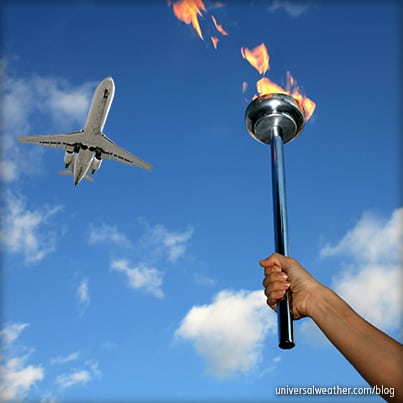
267,111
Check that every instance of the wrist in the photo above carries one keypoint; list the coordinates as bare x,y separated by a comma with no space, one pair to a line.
317,301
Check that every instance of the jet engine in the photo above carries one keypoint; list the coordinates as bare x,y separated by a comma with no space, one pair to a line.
96,163
68,158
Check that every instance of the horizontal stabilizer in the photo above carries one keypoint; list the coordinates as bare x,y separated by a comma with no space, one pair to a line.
68,172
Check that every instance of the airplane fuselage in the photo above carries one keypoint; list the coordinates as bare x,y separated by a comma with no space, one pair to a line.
100,105
82,162
96,118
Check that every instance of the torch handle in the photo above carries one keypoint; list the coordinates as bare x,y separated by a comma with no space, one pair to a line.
284,319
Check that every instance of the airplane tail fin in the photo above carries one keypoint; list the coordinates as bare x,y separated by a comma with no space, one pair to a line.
68,172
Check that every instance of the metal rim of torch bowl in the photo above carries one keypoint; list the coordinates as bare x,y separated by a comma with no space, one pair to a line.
269,110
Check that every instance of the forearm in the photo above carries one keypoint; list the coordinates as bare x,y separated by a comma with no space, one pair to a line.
376,356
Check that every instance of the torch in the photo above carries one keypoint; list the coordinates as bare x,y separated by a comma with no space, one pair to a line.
276,119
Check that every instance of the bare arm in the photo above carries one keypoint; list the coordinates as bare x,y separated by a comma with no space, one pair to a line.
375,355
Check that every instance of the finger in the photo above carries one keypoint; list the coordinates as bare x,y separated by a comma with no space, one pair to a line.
274,276
269,271
272,260
276,286
274,297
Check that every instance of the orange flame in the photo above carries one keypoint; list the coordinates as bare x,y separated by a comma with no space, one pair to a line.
219,27
215,41
306,104
266,86
259,59
189,12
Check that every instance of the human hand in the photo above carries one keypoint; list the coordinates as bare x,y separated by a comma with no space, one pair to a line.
282,273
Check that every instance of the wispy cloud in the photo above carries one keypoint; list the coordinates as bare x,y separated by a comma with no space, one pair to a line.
229,332
371,277
293,8
65,104
73,378
373,239
11,332
15,107
23,230
89,372
172,243
203,280
17,377
83,295
65,359
154,246
55,98
107,233
142,278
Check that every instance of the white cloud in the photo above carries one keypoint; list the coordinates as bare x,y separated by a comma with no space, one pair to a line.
374,291
17,378
83,294
66,105
372,239
371,278
107,233
157,244
49,398
65,359
292,8
229,332
15,110
141,278
11,332
203,280
17,103
74,378
23,230
174,244
79,376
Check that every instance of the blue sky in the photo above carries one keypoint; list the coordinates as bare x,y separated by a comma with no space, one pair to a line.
146,285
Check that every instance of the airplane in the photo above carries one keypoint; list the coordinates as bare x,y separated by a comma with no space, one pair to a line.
86,148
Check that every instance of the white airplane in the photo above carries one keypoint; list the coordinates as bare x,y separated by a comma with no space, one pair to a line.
86,148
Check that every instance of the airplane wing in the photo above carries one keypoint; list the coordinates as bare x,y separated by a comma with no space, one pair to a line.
112,151
66,140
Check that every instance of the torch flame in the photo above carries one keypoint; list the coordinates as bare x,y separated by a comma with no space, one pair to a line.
266,86
218,27
214,41
189,12
259,59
